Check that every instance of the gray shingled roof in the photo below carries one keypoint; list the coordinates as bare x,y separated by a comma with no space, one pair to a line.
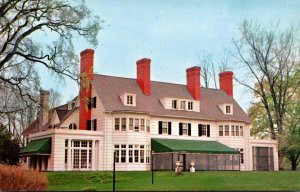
110,88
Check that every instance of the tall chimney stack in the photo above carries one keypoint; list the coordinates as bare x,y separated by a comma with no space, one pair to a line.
193,82
143,75
44,109
86,76
226,83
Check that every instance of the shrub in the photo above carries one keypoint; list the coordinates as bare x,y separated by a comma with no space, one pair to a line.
13,178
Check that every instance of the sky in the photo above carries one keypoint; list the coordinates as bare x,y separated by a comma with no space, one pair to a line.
173,34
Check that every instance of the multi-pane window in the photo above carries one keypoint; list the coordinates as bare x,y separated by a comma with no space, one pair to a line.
221,130
148,125
228,109
184,128
226,130
182,105
123,123
242,155
117,124
81,154
237,130
132,153
130,123
241,131
129,100
232,130
136,125
73,126
92,103
174,104
204,130
142,126
190,105
165,127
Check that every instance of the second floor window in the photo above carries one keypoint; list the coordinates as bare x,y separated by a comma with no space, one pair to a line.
190,105
185,129
164,127
174,104
221,130
203,130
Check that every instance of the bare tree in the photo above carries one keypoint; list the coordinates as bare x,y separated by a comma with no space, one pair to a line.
269,57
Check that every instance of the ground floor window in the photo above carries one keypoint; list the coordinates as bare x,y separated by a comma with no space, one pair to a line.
80,154
132,153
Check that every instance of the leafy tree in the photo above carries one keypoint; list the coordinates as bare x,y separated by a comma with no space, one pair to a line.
23,24
269,59
9,147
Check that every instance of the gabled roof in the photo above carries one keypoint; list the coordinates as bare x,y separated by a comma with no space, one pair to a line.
33,127
110,88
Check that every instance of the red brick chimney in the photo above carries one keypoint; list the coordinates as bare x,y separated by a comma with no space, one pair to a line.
143,75
193,82
86,76
226,84
44,109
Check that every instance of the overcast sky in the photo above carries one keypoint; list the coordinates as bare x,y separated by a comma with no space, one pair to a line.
173,34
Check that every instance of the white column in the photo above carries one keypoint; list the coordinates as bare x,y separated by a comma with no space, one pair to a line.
93,155
69,160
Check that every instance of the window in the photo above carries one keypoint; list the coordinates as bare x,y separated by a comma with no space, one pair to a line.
190,105
174,104
130,123
241,131
92,103
129,100
136,153
130,154
228,109
92,124
117,157
148,125
203,130
237,130
123,153
242,155
226,130
123,127
221,130
164,127
232,130
182,105
142,125
72,126
142,153
117,124
147,153
184,129
136,125
81,154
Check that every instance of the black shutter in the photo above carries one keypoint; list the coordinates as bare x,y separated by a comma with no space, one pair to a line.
189,129
180,128
95,124
200,130
89,103
208,131
169,128
94,102
88,124
160,127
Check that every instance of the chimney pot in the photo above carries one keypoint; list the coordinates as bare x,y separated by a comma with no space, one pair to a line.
143,75
226,82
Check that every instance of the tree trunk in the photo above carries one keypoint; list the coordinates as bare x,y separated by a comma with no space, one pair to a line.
294,165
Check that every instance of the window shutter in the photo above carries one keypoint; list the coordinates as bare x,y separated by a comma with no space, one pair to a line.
94,102
208,131
88,125
90,103
95,125
169,128
160,127
200,130
180,128
189,129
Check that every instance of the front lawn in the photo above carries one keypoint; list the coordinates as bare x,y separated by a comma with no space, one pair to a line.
201,180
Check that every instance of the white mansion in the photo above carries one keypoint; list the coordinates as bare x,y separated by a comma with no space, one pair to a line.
143,121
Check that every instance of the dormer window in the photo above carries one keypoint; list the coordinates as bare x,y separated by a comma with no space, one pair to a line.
174,104
128,99
190,105
228,109
182,105
72,126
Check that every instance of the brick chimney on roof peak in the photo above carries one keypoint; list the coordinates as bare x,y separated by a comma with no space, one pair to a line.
44,108
86,76
143,75
193,82
226,82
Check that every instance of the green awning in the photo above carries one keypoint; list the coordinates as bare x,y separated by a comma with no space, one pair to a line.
190,146
37,147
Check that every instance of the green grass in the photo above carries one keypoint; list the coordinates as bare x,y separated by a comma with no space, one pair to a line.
201,180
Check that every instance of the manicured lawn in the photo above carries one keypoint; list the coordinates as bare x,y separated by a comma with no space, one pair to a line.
204,180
